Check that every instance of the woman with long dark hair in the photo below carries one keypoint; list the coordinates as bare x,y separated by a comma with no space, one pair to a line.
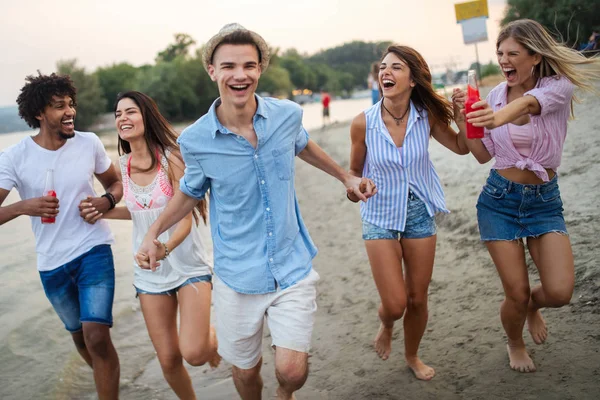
525,120
151,167
390,144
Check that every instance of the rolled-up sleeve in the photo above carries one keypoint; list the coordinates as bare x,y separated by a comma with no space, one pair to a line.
553,94
194,182
301,140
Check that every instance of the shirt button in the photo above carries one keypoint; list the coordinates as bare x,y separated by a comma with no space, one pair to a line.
262,182
256,156
270,259
268,209
270,233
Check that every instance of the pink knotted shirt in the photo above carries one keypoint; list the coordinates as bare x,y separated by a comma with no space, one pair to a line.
549,128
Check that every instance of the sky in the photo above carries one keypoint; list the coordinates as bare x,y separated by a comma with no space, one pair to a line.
35,34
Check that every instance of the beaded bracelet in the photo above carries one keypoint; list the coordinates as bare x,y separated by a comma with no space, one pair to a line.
111,200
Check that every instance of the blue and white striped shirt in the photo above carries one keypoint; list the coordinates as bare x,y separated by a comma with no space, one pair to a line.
395,170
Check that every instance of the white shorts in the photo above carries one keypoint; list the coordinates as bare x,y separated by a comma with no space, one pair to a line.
239,320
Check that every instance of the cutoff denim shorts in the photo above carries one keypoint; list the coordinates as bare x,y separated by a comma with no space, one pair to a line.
83,289
190,281
511,211
419,224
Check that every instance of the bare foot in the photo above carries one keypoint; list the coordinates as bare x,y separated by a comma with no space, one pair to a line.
216,358
383,342
519,359
422,371
537,326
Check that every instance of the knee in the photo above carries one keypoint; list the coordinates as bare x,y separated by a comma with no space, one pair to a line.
417,301
519,296
170,363
246,376
558,297
97,342
292,374
394,310
79,340
196,357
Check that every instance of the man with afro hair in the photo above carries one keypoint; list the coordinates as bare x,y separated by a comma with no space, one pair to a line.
74,256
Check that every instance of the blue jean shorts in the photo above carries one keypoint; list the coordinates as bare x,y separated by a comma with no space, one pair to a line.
419,224
83,289
195,279
509,211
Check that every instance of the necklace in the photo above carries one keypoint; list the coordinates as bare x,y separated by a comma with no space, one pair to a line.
396,119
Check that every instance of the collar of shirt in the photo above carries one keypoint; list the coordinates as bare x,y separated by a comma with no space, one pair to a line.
217,127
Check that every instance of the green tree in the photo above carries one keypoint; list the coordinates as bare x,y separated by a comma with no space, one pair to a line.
115,79
181,48
90,99
300,74
569,21
276,81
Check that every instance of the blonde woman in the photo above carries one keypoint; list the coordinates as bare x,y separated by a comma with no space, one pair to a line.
525,121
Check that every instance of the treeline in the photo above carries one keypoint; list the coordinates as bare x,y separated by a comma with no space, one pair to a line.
183,90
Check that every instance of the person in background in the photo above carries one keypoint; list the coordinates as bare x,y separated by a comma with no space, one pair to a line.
325,100
74,258
373,82
525,120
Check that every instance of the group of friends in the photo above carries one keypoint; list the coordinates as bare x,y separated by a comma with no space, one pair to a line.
241,155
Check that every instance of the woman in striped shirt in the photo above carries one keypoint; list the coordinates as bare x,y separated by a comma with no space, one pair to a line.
525,120
390,144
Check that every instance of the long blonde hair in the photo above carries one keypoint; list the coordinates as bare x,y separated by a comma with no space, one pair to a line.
557,59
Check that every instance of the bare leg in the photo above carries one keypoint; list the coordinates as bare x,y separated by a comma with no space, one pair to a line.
160,314
553,257
248,382
291,369
105,361
419,255
385,257
197,339
509,257
79,341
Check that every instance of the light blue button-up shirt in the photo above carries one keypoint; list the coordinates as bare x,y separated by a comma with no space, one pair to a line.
259,238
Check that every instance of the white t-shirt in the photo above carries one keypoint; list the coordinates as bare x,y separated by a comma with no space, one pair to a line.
24,165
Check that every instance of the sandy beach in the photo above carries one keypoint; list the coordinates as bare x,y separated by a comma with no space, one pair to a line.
464,340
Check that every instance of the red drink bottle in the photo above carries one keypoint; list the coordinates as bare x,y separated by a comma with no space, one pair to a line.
473,132
49,191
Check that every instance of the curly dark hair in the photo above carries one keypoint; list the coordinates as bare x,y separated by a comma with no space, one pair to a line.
37,94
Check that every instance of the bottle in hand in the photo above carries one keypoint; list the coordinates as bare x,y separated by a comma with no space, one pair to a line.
473,132
49,191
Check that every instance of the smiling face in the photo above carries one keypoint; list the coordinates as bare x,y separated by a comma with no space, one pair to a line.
58,117
236,69
394,76
129,120
517,63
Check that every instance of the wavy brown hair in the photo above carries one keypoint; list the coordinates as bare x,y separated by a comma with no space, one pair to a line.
557,59
423,95
159,136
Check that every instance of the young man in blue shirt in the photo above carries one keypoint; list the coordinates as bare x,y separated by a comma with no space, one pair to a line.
243,150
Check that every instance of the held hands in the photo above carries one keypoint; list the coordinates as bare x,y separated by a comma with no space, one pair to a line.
359,188
45,206
91,209
149,253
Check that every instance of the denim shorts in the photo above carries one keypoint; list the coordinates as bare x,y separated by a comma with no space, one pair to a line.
510,211
83,290
419,224
195,279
